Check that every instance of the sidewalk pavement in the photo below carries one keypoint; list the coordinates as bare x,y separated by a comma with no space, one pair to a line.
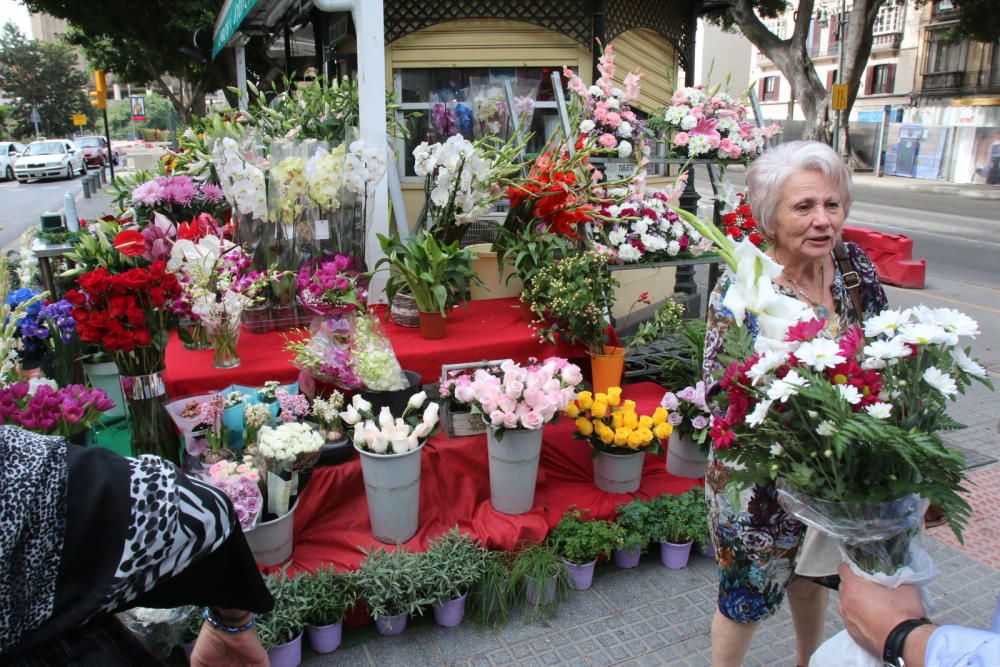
972,190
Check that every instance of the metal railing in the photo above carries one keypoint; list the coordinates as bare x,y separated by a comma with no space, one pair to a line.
887,40
974,81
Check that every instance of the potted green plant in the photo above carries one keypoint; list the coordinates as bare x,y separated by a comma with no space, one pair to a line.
390,584
490,599
435,274
282,287
677,521
580,542
634,519
526,251
330,595
538,576
280,630
452,565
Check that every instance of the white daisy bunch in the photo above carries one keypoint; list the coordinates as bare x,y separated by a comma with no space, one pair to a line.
386,433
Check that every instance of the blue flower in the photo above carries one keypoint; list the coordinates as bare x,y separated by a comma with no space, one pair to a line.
19,296
743,605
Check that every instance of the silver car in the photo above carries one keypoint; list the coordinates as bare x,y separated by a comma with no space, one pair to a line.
50,158
9,151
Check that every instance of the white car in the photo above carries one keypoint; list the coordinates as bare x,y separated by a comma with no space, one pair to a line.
9,151
50,158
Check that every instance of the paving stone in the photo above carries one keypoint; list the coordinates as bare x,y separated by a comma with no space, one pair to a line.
501,657
463,642
348,657
413,647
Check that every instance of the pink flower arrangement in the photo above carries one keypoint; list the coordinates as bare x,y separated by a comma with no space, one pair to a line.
210,416
41,408
712,124
605,114
331,285
521,397
645,229
239,482
293,406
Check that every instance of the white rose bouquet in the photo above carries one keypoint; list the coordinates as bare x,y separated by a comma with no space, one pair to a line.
386,433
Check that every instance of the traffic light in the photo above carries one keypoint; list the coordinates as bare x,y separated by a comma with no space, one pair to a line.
100,95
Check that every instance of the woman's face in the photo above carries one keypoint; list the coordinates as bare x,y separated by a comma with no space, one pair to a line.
809,217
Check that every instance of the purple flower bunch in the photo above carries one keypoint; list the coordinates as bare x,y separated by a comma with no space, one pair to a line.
292,406
246,497
331,283
43,324
180,196
44,409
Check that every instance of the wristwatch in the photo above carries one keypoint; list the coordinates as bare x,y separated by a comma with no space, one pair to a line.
892,652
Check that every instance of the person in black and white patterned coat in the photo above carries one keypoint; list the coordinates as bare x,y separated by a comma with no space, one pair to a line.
85,533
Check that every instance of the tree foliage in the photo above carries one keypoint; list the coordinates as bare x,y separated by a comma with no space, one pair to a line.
42,76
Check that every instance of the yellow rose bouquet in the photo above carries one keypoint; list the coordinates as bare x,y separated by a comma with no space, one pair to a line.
611,424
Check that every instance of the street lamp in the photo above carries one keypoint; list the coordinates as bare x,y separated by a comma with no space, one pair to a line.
841,35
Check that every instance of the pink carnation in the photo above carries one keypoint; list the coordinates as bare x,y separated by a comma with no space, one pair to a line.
607,140
681,139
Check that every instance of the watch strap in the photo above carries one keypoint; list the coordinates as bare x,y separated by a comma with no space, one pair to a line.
892,652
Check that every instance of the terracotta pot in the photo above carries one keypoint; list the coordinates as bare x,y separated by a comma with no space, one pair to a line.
526,313
432,325
606,369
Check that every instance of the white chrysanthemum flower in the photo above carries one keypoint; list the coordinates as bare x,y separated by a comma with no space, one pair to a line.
955,322
624,129
782,390
826,428
849,393
767,363
925,334
776,449
587,126
673,248
624,149
820,354
698,144
966,364
595,91
640,226
940,381
886,323
629,253
759,413
879,410
688,123
617,236
886,350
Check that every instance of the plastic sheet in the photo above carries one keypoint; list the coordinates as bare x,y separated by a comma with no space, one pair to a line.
159,630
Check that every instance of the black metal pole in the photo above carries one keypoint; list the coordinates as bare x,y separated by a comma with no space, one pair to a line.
684,278
288,51
107,135
600,29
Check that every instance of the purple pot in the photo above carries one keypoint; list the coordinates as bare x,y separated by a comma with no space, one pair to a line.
544,597
580,576
391,625
286,655
627,558
675,556
450,613
325,638
707,549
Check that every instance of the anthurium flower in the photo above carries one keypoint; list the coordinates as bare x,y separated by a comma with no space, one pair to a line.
130,243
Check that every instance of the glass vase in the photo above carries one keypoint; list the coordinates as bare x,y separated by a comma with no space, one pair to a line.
193,335
225,338
151,429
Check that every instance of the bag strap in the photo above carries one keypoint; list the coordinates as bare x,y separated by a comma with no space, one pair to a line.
852,281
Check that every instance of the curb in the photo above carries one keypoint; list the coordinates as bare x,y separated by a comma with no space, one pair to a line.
971,191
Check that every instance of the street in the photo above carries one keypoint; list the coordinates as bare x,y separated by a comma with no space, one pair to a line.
21,204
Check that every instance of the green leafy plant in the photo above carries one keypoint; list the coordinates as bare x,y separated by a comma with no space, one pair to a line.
435,273
285,621
574,295
635,520
540,564
527,251
452,566
331,595
668,319
390,583
680,365
581,541
679,518
490,599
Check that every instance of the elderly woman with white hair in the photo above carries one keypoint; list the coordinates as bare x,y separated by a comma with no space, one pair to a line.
800,194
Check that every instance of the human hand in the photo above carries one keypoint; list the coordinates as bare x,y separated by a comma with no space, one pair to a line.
870,611
216,648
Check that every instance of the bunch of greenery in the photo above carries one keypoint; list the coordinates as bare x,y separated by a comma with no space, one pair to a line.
331,595
390,583
580,541
452,566
291,605
435,273
664,322
540,564
490,599
527,250
635,520
574,295
679,519
680,364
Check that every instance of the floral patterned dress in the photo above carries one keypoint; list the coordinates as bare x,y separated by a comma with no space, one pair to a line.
756,541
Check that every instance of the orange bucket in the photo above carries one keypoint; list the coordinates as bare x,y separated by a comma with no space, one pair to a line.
606,369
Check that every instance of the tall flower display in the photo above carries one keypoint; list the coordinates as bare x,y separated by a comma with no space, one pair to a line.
643,229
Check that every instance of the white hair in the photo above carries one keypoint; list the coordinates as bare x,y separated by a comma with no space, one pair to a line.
768,174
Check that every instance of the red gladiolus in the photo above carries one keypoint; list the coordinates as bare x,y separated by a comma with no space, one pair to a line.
130,243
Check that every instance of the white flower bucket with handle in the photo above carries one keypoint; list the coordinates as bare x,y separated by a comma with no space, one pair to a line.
105,376
684,457
618,473
513,469
271,541
392,487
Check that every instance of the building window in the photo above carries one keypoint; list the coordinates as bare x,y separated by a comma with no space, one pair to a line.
777,26
769,87
889,19
943,56
440,102
942,6
880,80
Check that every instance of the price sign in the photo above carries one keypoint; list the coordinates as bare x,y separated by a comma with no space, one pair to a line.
839,101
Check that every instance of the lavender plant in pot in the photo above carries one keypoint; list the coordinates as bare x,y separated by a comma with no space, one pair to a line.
330,595
280,630
537,576
634,520
580,542
451,567
390,584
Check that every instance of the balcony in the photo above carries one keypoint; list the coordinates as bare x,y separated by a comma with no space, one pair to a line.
962,83
887,41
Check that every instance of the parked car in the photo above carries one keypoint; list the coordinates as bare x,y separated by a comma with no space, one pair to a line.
51,158
95,151
9,151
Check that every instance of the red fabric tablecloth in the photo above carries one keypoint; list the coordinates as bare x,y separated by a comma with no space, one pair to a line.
489,329
331,519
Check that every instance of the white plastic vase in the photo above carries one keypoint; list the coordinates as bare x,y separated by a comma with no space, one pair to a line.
513,469
618,473
392,487
685,458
